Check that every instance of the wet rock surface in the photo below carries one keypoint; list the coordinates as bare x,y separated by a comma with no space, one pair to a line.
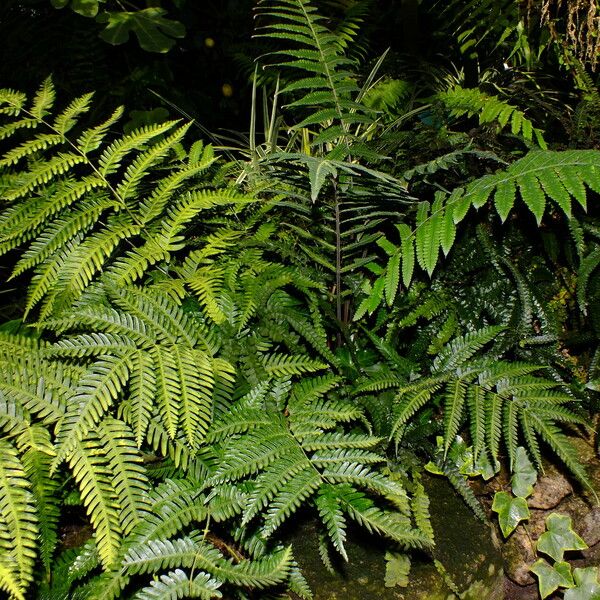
465,549
550,490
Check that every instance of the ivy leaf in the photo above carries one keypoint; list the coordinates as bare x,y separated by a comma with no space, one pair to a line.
511,511
551,578
154,32
524,474
559,537
588,587
397,569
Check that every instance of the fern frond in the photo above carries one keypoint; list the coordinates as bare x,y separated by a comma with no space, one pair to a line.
110,160
90,470
96,392
392,525
18,523
129,481
328,505
177,584
281,365
490,109
455,396
37,453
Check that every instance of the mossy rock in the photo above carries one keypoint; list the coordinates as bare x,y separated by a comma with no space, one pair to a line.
464,550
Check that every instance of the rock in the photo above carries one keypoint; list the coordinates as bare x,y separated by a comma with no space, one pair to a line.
589,527
518,556
512,591
551,489
464,545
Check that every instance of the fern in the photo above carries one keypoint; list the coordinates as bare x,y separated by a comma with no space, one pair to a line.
494,401
559,176
74,209
18,523
328,84
286,469
181,376
490,109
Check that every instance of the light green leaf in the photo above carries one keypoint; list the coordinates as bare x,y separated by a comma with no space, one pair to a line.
551,578
559,537
588,586
524,474
511,511
397,568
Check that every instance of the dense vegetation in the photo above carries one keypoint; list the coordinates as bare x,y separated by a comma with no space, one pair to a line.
396,267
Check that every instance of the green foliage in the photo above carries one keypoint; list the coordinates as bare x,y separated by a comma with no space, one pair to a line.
288,461
328,89
524,474
587,585
218,350
397,568
490,109
560,176
154,32
559,537
550,578
511,511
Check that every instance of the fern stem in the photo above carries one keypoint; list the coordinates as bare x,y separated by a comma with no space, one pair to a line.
338,259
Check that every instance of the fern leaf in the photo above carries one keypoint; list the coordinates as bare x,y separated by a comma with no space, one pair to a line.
93,478
463,348
586,267
561,445
67,119
392,525
61,231
140,167
290,497
37,452
406,404
177,584
455,396
281,365
494,422
168,387
129,480
92,398
476,404
331,514
43,100
92,138
142,389
110,160
197,383
18,522
420,509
